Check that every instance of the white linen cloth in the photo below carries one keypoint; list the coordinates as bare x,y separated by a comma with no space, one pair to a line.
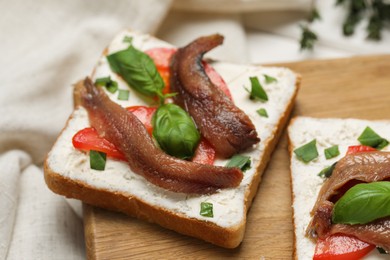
47,45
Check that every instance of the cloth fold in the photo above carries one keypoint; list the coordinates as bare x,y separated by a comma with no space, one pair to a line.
11,164
45,47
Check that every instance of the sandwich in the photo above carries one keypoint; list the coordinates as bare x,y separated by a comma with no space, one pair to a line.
161,134
340,172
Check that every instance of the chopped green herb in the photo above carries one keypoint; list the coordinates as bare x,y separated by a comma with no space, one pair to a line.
262,112
307,152
111,85
370,138
128,39
257,91
97,160
332,152
206,209
269,79
240,161
382,251
102,81
327,171
123,94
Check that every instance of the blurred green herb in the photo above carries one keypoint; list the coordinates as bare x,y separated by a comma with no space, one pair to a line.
308,38
375,12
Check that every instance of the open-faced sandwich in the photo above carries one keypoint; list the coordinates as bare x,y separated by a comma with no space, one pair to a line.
340,170
161,134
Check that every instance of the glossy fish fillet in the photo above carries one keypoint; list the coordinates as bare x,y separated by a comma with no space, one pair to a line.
223,124
350,170
129,135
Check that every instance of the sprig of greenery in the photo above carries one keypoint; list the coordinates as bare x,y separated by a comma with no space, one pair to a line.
376,12
308,38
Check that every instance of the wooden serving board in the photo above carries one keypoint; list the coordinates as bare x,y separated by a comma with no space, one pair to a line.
356,87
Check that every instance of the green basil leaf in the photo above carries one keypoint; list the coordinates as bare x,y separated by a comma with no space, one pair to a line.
257,91
327,171
175,131
111,85
370,138
138,70
307,152
363,203
269,79
332,152
240,161
262,112
123,94
206,209
97,160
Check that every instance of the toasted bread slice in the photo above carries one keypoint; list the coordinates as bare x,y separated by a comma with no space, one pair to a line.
306,183
67,170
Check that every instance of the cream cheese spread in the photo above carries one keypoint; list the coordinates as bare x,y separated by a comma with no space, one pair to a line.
306,183
228,204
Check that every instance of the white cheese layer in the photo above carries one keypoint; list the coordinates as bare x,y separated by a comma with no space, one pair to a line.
306,183
228,204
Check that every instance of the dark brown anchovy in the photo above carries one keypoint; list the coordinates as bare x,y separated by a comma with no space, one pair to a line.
352,169
129,135
224,125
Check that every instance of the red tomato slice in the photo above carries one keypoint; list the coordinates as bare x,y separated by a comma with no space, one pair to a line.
161,56
340,247
144,114
162,59
359,148
205,153
88,139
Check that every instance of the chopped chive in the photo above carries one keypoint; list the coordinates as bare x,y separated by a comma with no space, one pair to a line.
240,161
102,81
307,152
123,94
206,209
262,112
97,160
370,138
269,79
128,39
327,171
382,251
111,85
257,91
332,152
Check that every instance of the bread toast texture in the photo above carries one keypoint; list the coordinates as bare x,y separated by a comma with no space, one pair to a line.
68,173
306,183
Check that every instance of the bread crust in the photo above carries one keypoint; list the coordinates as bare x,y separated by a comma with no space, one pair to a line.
135,207
290,151
132,206
252,190
126,203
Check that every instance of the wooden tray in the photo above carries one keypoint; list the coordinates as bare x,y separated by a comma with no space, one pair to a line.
355,87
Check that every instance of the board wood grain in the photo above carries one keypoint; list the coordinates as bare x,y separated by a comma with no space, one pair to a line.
356,87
